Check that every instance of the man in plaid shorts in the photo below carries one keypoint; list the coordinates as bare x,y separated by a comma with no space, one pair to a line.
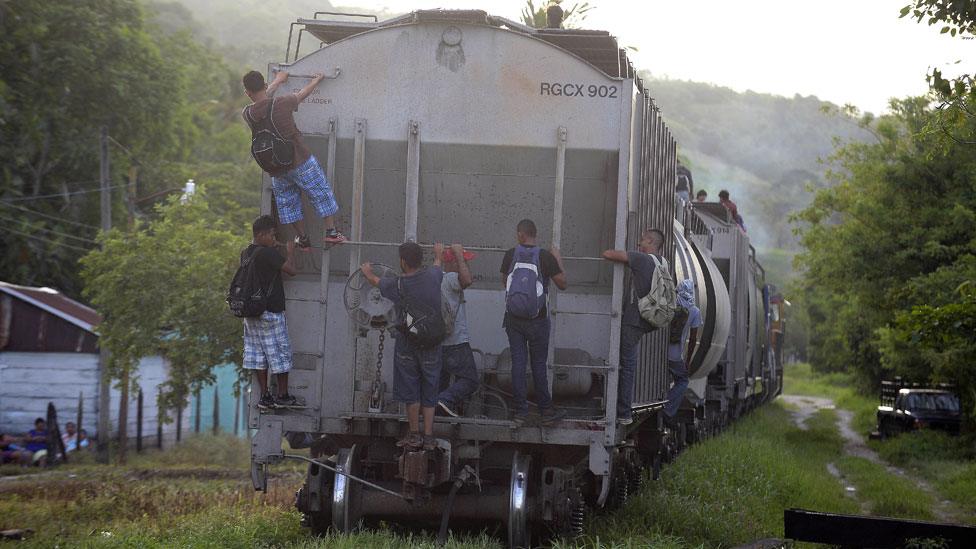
266,344
304,172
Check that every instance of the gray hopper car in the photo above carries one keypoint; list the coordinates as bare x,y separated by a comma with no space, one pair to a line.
452,126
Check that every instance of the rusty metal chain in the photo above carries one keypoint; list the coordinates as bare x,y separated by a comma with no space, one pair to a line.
379,355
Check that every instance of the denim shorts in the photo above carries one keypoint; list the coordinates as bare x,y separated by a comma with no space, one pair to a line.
416,374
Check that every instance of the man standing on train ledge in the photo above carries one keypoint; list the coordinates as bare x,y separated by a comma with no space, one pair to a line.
456,356
527,270
632,325
678,363
277,146
266,343
417,354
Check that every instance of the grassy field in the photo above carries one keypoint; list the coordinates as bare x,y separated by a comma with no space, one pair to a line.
728,490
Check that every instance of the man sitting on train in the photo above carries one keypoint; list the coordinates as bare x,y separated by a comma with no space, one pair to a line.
679,362
632,325
417,354
527,270
456,356
701,196
723,198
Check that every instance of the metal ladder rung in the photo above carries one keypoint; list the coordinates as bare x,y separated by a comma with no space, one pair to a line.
597,313
581,366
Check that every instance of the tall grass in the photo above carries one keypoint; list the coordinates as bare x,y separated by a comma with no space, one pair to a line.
733,489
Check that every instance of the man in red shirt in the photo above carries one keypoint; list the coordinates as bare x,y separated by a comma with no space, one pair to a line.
303,171
723,197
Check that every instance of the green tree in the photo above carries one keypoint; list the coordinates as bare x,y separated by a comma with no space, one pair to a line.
956,96
895,233
160,290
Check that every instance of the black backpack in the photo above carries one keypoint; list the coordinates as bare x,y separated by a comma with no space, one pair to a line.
421,324
270,150
245,297
677,326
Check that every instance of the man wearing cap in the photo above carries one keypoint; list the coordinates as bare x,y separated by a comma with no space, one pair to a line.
456,358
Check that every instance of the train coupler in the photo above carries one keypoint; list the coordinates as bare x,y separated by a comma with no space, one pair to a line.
422,470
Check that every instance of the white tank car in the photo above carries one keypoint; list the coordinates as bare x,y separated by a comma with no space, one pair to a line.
451,126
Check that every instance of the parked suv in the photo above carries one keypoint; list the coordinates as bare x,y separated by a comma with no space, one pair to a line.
912,408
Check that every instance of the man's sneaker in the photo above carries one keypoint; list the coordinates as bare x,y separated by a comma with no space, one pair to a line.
289,401
430,443
303,242
551,414
447,408
333,236
411,442
625,420
267,401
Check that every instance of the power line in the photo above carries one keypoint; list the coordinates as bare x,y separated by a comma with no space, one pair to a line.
56,243
52,217
52,231
59,195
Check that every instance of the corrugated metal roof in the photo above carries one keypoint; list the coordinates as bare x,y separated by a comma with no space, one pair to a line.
55,303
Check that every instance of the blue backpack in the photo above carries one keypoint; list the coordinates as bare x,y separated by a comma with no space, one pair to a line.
525,294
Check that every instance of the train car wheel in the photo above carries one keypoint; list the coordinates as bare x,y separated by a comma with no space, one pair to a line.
345,492
519,533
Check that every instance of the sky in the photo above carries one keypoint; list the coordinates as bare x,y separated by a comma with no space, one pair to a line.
843,51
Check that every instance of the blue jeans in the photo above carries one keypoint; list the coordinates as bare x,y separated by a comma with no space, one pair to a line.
416,374
630,338
680,375
459,361
529,338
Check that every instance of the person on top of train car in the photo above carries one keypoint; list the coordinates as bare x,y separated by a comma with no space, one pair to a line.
701,196
684,183
277,146
527,270
266,343
456,356
417,354
679,363
633,326
723,198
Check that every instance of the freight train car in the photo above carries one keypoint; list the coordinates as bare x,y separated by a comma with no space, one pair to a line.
452,126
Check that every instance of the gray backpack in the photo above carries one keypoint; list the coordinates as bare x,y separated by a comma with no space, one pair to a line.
657,307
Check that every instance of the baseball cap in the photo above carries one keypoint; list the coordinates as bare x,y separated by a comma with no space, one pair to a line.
449,255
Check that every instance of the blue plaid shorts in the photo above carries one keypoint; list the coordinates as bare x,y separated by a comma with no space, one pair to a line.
266,343
310,178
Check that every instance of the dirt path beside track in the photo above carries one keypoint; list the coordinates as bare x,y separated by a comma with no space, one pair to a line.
804,407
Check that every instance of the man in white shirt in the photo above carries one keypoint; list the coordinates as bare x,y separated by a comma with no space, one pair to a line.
456,358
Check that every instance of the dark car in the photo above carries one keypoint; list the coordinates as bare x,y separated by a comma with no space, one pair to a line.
914,409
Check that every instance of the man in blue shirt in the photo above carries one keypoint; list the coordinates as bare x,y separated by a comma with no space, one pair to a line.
416,368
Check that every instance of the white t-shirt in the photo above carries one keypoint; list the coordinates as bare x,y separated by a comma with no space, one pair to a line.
452,303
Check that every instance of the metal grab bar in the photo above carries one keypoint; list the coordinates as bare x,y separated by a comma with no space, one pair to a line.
446,247
290,75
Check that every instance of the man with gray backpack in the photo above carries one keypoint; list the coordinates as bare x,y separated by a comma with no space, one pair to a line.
652,308
526,271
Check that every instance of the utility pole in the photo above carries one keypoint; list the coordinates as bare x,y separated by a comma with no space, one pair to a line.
130,201
105,382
